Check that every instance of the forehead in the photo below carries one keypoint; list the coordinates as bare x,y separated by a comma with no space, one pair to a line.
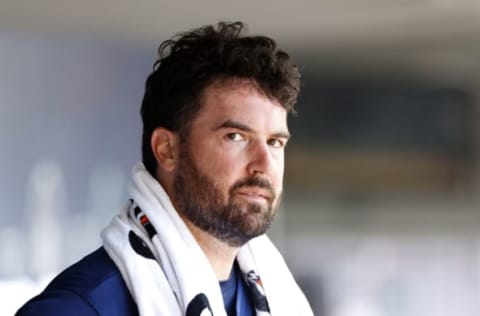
240,99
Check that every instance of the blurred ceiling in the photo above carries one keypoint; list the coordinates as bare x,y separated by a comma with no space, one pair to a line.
436,37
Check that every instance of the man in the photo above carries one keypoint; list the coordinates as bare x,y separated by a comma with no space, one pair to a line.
191,240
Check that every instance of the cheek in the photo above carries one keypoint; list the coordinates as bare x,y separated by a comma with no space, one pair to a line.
219,167
218,162
222,158
278,184
278,170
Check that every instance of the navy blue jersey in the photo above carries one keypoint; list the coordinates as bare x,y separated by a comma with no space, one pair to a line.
236,295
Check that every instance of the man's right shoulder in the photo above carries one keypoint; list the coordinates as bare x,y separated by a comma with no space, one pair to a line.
92,286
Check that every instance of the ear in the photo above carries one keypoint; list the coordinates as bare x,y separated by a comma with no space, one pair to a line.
164,144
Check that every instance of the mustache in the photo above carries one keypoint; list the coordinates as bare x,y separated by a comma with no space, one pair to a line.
258,182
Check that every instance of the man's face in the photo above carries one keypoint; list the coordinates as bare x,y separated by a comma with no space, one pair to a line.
230,172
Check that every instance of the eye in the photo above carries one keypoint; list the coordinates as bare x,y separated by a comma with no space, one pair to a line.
236,137
276,143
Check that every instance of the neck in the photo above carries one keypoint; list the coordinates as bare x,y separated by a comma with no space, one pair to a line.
220,255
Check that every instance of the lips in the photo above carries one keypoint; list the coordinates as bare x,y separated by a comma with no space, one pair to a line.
255,193
254,188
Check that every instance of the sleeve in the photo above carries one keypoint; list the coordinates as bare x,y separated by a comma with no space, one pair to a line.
58,303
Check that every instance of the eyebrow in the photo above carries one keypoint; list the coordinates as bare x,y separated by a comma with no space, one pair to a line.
246,128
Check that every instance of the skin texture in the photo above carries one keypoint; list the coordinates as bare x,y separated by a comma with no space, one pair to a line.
225,174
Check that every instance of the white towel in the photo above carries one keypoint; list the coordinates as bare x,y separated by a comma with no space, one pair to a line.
167,272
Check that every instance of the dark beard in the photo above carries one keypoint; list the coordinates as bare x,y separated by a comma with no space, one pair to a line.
203,204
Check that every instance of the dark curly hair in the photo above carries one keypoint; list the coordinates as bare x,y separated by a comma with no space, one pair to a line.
189,62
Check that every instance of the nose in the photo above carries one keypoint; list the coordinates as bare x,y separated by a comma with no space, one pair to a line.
260,160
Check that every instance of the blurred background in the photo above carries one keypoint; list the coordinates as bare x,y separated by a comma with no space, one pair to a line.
382,201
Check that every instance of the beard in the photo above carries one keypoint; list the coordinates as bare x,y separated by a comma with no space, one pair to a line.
202,203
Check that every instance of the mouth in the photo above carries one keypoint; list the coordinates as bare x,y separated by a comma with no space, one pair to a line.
257,194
